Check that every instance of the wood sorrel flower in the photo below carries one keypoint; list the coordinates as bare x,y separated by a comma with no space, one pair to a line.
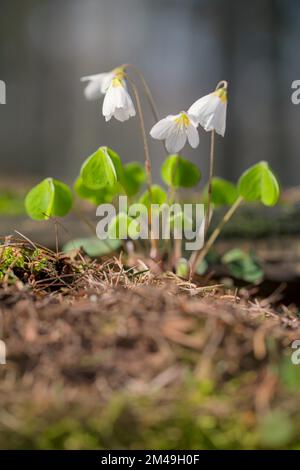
175,130
210,111
117,101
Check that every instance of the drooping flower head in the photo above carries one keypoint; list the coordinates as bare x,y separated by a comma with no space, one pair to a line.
117,101
176,130
210,110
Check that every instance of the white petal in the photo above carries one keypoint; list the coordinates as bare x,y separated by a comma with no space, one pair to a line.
106,82
176,140
118,103
200,106
210,112
162,128
192,135
108,107
88,78
96,85
129,104
220,119
93,90
121,114
204,107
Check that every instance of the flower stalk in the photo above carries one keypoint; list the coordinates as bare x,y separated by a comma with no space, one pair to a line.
211,174
198,257
148,93
153,252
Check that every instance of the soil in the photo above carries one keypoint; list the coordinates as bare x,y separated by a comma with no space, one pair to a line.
80,333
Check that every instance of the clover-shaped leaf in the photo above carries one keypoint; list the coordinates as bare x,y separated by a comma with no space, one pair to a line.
49,198
97,196
243,265
179,172
92,246
133,178
180,220
158,196
223,192
258,183
122,227
102,169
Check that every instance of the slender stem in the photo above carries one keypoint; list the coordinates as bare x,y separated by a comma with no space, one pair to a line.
153,252
177,251
221,84
148,94
84,220
146,89
197,257
211,173
56,235
144,135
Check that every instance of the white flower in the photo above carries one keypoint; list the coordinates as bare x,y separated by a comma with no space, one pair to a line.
175,130
117,101
210,111
97,85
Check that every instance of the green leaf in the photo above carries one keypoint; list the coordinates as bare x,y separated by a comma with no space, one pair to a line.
223,193
49,198
179,172
119,226
182,268
97,196
242,265
180,220
102,169
93,246
115,158
158,196
133,178
258,183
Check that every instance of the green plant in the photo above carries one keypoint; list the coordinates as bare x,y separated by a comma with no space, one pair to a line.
103,176
243,265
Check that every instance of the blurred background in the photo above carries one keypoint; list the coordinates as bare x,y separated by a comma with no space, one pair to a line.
184,47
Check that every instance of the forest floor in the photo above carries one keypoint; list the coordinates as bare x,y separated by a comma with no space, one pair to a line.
104,355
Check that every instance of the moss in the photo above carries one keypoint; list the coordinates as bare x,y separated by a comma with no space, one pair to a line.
18,262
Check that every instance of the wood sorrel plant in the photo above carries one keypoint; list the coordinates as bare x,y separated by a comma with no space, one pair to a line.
103,176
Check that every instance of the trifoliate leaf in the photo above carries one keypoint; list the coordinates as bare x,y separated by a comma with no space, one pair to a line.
179,172
97,196
119,226
243,265
158,196
223,193
102,169
133,178
93,246
258,183
49,198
